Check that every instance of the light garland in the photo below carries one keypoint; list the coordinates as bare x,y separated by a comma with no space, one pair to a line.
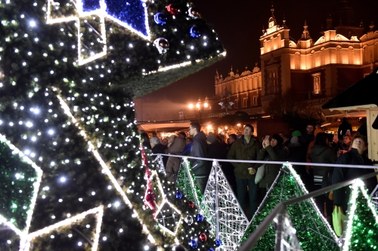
91,158
82,59
98,212
105,167
361,232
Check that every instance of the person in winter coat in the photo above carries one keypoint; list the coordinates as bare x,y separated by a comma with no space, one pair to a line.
173,163
355,156
322,152
272,150
201,168
245,148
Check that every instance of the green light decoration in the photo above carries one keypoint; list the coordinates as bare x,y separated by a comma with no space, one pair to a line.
19,181
187,183
361,231
311,228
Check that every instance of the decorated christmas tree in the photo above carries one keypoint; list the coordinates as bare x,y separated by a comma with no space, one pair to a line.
72,175
361,231
222,210
307,225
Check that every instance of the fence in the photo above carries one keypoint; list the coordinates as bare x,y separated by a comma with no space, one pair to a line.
230,224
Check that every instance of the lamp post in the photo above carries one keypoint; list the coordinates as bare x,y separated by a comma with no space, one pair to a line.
226,103
199,106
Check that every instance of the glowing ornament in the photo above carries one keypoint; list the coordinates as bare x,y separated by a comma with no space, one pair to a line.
199,218
172,10
161,45
160,18
179,195
191,204
193,12
193,244
218,242
194,31
189,220
202,237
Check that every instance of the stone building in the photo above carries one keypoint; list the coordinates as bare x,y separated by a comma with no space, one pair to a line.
299,76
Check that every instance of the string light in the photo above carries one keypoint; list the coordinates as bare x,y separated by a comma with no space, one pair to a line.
74,48
223,210
98,212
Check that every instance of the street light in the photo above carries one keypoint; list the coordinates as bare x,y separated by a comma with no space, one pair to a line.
226,103
200,106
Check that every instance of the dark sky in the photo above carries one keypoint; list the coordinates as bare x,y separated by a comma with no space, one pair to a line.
239,25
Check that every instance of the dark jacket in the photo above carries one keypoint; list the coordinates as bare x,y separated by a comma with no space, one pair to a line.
199,149
322,154
241,150
271,170
352,157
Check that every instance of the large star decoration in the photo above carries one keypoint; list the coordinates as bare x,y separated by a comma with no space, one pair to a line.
90,15
78,123
58,224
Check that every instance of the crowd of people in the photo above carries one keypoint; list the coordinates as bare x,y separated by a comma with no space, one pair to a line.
250,182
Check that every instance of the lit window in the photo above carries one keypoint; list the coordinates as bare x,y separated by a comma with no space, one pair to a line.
254,101
245,103
316,83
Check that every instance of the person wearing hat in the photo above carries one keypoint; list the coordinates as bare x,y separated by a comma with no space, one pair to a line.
272,150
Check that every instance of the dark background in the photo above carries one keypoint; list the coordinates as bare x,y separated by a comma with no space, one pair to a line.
239,24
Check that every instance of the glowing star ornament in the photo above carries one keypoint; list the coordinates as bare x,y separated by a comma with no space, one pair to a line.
361,231
20,181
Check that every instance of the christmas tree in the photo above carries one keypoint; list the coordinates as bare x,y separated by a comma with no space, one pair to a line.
307,225
69,71
223,210
361,231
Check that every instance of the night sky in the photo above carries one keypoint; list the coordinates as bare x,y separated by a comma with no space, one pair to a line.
239,24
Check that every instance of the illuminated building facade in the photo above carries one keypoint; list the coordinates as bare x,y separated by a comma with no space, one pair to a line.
300,76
